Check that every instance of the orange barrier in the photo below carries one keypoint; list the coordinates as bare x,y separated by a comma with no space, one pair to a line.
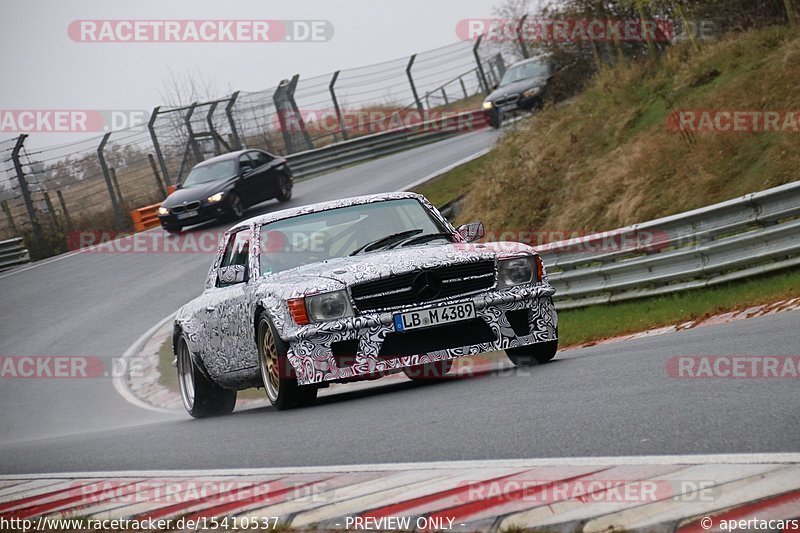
171,189
145,218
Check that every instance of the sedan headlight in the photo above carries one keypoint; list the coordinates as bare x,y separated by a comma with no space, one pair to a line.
214,198
530,93
488,105
329,306
517,271
163,211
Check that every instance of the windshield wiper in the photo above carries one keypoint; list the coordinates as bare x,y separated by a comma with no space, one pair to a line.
419,239
386,241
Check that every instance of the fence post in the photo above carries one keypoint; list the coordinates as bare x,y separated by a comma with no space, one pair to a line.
53,217
336,108
155,173
116,185
481,73
279,98
23,187
444,95
109,185
463,87
198,155
219,142
237,142
501,66
300,121
61,201
11,223
414,87
156,147
523,47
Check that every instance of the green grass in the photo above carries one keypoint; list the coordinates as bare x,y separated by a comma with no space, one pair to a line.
456,183
578,326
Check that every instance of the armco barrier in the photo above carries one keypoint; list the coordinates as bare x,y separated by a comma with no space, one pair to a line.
309,163
145,218
753,234
13,253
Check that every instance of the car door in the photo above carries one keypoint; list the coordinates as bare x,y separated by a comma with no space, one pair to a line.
230,306
263,173
248,185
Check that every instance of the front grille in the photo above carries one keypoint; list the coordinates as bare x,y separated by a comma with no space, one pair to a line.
507,100
404,289
445,337
186,207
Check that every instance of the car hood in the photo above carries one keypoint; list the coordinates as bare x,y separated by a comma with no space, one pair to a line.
338,273
198,193
515,88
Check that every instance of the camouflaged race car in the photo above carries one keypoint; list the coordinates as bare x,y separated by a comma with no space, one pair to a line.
355,289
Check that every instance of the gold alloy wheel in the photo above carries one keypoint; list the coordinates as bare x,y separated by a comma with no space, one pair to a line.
270,368
186,374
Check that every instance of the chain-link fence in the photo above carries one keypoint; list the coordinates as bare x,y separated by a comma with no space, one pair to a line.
94,183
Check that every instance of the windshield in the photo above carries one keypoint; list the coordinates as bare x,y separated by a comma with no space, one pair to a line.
210,172
306,239
524,72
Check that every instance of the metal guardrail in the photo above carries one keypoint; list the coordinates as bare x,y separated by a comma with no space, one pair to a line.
312,162
13,253
739,238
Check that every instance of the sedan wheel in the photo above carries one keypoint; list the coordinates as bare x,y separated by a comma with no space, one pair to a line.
284,188
280,383
201,396
235,206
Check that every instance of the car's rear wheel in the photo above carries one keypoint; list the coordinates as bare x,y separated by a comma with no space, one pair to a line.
533,354
235,206
280,382
429,371
201,397
284,188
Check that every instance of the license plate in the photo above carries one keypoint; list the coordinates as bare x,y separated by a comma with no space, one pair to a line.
187,214
434,317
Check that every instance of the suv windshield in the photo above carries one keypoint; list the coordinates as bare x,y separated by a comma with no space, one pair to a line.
524,72
306,239
210,172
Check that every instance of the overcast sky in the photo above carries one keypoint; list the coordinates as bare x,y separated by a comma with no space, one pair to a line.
42,68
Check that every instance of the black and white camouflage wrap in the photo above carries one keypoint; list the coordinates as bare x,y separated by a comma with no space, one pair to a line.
219,325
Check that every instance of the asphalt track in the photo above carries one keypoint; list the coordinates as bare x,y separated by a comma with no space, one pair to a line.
609,400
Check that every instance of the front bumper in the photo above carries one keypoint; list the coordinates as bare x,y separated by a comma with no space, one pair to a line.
368,344
205,213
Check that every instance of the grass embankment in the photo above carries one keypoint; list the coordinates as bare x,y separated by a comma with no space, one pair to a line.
608,159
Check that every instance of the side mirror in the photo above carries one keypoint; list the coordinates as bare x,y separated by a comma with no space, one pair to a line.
245,171
472,231
231,275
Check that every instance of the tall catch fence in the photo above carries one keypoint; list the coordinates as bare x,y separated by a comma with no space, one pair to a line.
48,193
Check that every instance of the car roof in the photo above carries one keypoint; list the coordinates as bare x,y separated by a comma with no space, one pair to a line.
323,206
224,157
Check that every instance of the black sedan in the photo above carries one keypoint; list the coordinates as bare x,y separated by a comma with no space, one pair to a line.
224,186
521,88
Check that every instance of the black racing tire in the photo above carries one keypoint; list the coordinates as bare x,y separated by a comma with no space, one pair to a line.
533,354
201,397
172,229
496,119
280,382
429,371
285,185
235,206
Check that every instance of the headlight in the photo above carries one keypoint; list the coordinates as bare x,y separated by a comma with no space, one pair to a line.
513,272
163,211
216,198
329,306
531,92
488,105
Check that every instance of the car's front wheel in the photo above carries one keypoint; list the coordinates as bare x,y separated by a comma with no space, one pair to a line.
280,382
169,228
533,354
201,397
235,206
